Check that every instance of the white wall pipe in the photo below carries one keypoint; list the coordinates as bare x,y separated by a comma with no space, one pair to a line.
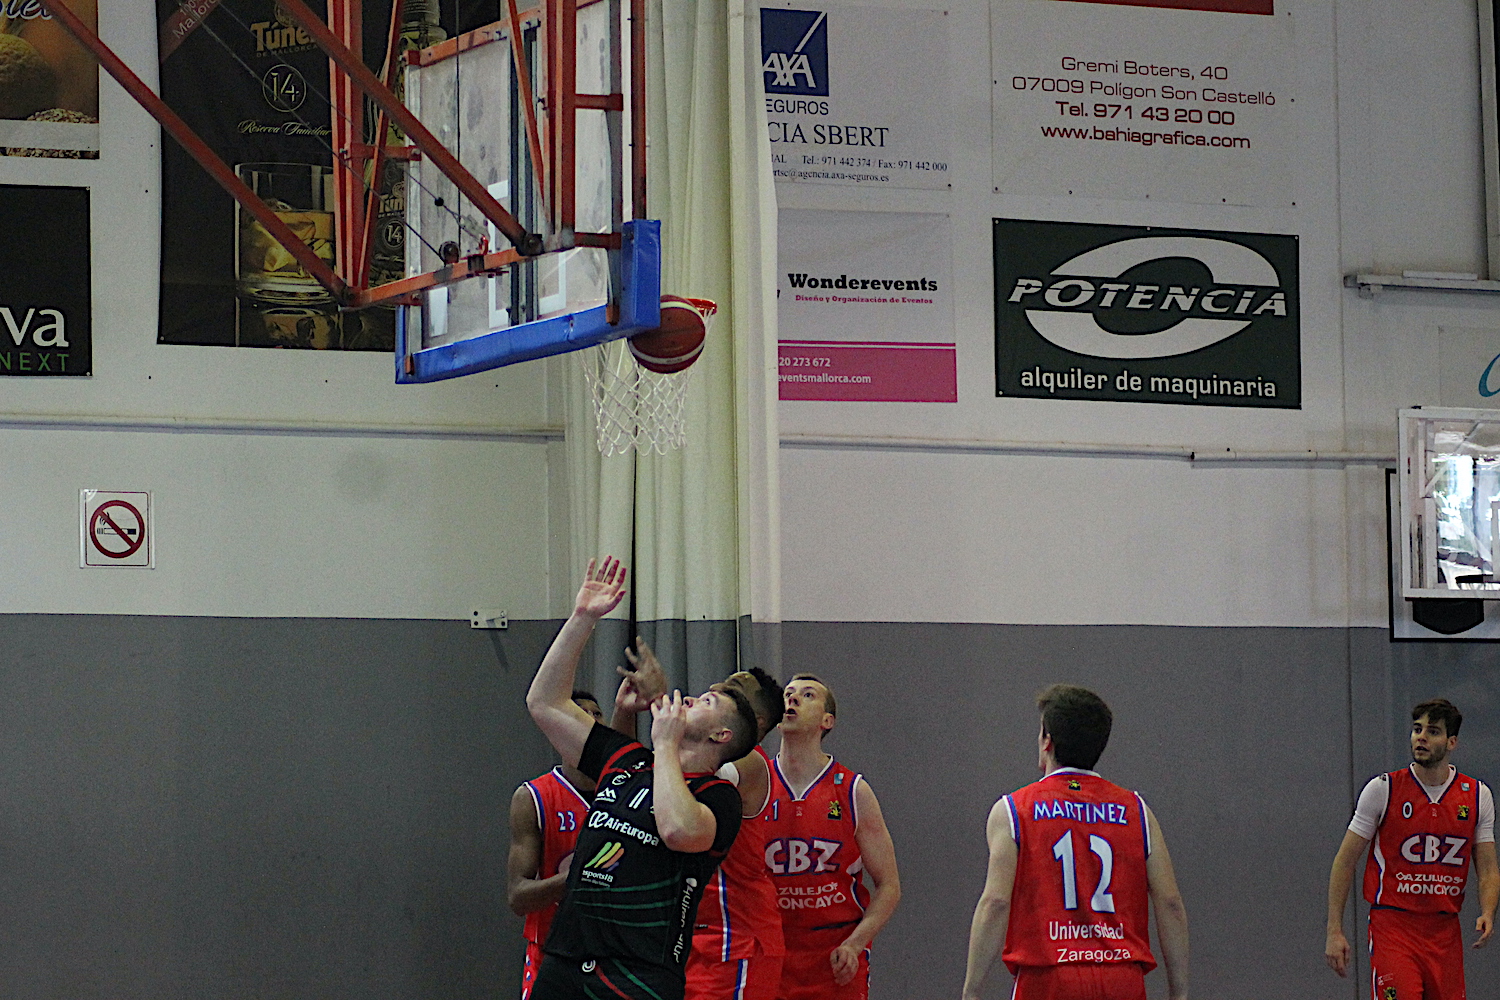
314,428
989,447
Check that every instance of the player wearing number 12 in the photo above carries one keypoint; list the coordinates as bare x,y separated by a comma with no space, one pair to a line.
1076,863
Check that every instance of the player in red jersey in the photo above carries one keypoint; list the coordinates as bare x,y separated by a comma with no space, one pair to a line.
737,940
1076,863
545,815
823,832
1425,822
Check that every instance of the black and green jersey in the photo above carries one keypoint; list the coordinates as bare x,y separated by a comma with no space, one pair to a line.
629,895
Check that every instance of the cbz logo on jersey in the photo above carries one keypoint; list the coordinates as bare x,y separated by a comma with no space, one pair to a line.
793,856
794,51
1426,849
1148,315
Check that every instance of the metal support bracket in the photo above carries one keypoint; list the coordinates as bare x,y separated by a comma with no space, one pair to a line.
488,618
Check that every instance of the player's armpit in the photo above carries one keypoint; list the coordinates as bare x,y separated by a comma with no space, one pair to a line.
754,782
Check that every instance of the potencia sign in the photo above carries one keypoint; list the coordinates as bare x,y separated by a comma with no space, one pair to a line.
1146,315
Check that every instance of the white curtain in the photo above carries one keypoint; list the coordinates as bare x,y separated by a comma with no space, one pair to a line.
700,524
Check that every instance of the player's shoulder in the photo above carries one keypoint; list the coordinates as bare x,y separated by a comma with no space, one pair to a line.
1467,781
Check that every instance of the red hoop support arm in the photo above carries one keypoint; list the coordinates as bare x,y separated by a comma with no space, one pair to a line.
527,243
365,249
638,108
199,150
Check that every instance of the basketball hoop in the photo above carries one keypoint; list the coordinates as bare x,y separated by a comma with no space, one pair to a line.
635,408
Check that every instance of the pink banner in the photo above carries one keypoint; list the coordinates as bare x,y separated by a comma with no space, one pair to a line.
879,373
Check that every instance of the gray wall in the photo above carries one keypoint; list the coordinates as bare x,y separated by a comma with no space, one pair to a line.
1239,739
303,807
196,807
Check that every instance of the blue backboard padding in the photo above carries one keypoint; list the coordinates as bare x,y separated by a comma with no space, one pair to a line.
640,310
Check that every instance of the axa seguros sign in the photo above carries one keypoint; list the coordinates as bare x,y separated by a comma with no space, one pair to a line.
1144,314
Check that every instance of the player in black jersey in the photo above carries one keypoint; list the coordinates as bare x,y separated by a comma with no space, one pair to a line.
659,825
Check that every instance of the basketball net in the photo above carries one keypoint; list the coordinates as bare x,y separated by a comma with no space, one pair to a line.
635,408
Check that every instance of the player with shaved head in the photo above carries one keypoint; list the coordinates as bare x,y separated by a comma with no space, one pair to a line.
825,834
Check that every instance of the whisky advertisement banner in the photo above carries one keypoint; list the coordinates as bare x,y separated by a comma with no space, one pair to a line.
45,275
254,87
1146,315
49,84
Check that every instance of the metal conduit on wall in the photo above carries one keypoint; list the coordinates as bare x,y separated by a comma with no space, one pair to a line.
214,425
1070,450
546,433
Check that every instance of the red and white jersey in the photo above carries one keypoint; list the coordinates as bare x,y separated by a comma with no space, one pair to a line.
1081,892
738,910
1419,858
811,852
560,812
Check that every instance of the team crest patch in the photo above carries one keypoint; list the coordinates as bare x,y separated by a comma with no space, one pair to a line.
1463,812
1389,993
1465,784
1074,784
835,811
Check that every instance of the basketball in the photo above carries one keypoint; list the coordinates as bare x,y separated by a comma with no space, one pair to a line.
675,344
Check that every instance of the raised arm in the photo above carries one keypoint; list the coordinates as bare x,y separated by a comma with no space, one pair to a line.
550,700
992,915
879,856
1340,879
524,891
1171,914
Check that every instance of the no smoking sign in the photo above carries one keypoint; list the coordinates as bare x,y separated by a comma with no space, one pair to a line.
115,529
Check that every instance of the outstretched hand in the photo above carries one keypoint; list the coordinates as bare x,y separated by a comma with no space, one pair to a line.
603,588
644,676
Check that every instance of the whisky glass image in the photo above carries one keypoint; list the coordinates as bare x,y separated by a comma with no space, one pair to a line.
301,195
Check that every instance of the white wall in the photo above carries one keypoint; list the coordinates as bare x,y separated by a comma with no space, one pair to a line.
278,524
1387,160
1387,176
